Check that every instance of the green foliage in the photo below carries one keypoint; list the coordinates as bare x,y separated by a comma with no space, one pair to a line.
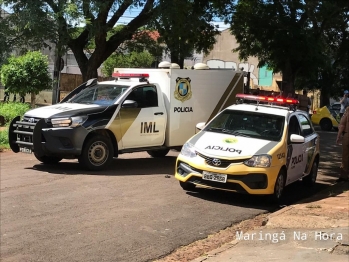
84,27
26,74
4,139
10,110
185,27
132,60
291,37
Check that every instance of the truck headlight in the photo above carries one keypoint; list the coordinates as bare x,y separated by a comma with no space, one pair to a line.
68,122
188,150
259,161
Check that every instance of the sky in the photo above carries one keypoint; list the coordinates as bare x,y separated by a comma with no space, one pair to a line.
132,13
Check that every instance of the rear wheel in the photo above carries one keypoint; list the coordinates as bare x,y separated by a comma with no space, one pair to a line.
49,160
310,179
279,187
97,153
158,153
326,124
187,186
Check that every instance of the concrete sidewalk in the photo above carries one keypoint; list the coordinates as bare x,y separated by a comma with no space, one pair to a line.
317,229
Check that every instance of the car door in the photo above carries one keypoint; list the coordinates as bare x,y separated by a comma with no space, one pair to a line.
144,125
310,136
295,151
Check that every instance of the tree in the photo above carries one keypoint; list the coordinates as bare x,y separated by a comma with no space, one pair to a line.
186,26
97,19
26,74
131,60
288,36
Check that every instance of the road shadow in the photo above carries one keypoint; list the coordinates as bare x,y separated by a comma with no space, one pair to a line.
292,194
118,167
330,191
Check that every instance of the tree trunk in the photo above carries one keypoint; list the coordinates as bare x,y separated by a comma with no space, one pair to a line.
175,58
288,77
181,62
32,100
92,72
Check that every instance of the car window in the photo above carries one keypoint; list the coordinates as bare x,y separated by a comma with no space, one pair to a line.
293,128
145,96
100,94
306,126
248,124
336,107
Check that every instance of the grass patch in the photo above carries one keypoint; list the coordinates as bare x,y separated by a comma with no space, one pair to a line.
10,110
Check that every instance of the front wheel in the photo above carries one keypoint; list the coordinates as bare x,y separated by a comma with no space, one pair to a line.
97,153
279,187
310,179
158,153
49,160
326,124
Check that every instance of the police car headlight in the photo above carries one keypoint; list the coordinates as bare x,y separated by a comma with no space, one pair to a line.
68,122
77,120
259,161
188,150
61,122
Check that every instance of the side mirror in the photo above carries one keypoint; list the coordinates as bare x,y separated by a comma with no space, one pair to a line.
200,126
297,139
129,104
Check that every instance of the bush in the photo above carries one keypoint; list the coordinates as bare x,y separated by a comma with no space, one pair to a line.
10,110
4,139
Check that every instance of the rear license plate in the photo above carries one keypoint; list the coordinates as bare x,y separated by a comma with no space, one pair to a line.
214,177
25,150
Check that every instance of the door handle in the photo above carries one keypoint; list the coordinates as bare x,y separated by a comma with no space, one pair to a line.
158,113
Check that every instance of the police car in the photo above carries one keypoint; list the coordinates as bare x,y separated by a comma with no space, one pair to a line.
257,146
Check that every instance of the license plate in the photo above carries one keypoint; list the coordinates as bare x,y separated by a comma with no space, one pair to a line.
25,150
214,177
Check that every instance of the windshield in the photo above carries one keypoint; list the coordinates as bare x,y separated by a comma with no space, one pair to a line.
248,124
100,94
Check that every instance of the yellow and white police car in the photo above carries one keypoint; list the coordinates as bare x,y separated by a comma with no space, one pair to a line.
256,148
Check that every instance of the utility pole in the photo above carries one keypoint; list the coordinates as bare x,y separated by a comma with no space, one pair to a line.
58,67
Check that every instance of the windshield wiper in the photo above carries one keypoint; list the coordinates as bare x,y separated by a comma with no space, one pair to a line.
237,133
227,131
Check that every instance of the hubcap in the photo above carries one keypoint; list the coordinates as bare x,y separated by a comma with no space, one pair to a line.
98,153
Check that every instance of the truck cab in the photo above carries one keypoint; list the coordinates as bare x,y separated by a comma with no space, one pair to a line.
152,110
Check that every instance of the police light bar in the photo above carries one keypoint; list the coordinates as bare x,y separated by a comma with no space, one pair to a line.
279,100
129,75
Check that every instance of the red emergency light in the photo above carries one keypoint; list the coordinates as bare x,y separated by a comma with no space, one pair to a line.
270,99
130,75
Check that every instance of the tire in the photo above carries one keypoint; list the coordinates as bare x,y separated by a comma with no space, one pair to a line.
279,187
158,153
326,124
97,153
310,179
187,186
49,160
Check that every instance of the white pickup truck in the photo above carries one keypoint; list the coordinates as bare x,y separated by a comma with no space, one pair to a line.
151,110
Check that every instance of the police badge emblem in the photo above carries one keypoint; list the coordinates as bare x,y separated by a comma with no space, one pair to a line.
183,89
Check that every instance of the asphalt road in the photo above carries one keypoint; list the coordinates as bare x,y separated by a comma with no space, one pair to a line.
134,211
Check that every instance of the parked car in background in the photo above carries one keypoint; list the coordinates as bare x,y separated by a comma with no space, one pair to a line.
336,106
327,117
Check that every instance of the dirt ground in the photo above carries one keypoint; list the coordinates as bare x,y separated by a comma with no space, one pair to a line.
201,247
